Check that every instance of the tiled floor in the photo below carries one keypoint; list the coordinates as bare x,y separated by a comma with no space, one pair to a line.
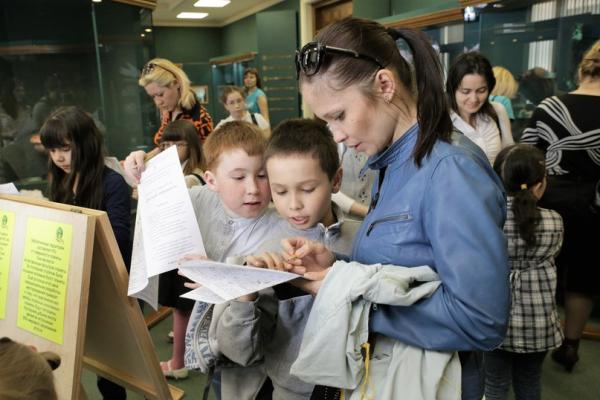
582,384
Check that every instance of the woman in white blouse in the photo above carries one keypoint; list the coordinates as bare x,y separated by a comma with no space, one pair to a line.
470,81
233,99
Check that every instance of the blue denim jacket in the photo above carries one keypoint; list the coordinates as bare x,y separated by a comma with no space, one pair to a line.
447,214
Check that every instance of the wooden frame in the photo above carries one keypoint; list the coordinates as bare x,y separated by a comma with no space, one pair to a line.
201,93
103,329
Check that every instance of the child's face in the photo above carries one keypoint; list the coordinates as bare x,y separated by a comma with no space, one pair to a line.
61,157
301,190
241,183
182,148
235,105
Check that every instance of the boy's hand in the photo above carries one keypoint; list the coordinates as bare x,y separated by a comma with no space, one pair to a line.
191,257
134,165
306,256
271,260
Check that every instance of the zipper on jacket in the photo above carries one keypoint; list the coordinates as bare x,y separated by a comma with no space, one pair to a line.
401,217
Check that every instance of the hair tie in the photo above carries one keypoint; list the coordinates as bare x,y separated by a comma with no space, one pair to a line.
523,186
393,33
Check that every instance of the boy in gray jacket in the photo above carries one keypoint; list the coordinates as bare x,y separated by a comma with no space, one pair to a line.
261,333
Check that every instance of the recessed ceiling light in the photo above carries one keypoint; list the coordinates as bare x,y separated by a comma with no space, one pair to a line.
142,34
148,30
191,15
211,3
96,1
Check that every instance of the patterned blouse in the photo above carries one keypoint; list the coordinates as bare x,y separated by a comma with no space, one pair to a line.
534,324
197,115
566,129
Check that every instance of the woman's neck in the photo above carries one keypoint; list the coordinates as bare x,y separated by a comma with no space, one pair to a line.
406,107
469,118
252,89
589,87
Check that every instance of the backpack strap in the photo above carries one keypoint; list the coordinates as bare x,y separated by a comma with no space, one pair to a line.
254,121
199,178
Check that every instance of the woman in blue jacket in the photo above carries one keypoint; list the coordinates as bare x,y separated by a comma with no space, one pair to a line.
436,200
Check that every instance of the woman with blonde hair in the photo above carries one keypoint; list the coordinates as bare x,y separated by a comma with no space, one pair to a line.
565,128
169,87
505,90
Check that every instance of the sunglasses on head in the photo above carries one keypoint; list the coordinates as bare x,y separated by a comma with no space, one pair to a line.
312,56
148,68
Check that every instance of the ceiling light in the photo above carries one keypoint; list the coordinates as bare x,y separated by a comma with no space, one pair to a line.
96,1
142,34
148,30
211,3
191,15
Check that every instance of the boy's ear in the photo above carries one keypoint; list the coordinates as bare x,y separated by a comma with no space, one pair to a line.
211,181
336,183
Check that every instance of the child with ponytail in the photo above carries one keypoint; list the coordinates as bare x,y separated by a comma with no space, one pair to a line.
534,237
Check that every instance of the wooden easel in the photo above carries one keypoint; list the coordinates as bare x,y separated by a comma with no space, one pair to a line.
103,330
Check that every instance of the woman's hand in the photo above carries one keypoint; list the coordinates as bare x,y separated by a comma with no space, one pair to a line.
134,165
311,281
305,256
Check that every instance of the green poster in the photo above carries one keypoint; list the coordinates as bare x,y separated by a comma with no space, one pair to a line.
43,284
7,227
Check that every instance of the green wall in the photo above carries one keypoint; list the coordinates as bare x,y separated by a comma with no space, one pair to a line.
240,36
183,45
371,9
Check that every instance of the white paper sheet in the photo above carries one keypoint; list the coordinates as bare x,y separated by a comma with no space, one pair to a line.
229,281
8,188
204,295
166,227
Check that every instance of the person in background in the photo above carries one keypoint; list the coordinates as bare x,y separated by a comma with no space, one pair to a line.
14,113
182,134
470,81
26,374
232,99
79,177
256,99
534,237
354,78
565,128
169,87
505,90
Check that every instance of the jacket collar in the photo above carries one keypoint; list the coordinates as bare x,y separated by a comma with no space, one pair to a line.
400,151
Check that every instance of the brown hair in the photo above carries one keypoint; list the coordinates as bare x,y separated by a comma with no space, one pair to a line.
230,136
521,166
184,130
305,137
590,63
24,374
164,73
372,39
227,90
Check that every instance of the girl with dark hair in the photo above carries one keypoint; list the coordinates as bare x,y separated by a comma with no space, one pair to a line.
435,202
232,99
470,81
534,237
180,133
256,99
79,177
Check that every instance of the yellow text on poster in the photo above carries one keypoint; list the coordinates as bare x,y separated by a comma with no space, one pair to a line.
7,227
43,283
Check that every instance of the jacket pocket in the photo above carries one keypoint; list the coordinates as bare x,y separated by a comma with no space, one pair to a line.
405,216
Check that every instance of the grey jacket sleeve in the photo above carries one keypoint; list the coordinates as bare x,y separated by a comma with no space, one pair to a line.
242,328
